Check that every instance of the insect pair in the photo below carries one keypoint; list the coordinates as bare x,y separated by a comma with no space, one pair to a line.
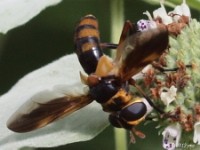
108,79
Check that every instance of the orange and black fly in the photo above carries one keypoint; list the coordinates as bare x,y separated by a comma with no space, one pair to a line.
108,79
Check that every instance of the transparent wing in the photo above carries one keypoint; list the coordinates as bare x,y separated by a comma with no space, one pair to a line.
45,108
140,49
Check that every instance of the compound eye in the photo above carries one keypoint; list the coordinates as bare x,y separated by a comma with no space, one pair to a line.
134,111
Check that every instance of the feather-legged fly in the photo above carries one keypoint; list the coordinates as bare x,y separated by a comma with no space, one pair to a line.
108,79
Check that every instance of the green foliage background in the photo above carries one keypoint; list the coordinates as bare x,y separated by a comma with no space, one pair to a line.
50,36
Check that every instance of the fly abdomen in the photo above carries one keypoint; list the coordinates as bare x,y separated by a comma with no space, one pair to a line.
87,43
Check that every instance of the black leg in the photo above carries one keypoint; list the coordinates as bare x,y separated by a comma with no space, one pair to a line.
108,45
162,69
132,82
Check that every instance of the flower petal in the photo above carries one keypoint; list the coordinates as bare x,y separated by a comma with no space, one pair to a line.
182,9
171,136
162,13
196,138
144,25
168,95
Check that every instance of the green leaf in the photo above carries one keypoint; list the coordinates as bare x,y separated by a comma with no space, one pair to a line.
79,126
17,12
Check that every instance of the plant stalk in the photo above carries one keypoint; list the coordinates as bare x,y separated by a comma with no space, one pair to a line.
117,22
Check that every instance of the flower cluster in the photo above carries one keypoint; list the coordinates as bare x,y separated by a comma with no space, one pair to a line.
174,80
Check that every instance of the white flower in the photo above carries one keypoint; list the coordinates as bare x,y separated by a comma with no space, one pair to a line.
196,138
167,95
172,16
144,25
141,74
171,136
162,13
180,10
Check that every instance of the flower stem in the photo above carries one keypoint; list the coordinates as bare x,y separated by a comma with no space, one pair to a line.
120,139
117,19
117,22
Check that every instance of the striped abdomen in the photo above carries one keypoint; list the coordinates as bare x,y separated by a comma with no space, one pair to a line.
87,43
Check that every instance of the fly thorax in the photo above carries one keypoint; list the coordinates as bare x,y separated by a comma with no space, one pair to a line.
117,102
105,89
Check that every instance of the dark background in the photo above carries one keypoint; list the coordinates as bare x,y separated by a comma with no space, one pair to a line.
49,36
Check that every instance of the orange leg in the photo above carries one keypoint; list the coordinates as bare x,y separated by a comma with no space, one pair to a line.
137,133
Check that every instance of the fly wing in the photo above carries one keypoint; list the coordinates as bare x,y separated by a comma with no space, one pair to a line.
40,111
129,29
140,49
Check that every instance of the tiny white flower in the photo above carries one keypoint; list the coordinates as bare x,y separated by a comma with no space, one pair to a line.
171,136
144,25
167,95
162,13
196,138
141,74
180,10
172,16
